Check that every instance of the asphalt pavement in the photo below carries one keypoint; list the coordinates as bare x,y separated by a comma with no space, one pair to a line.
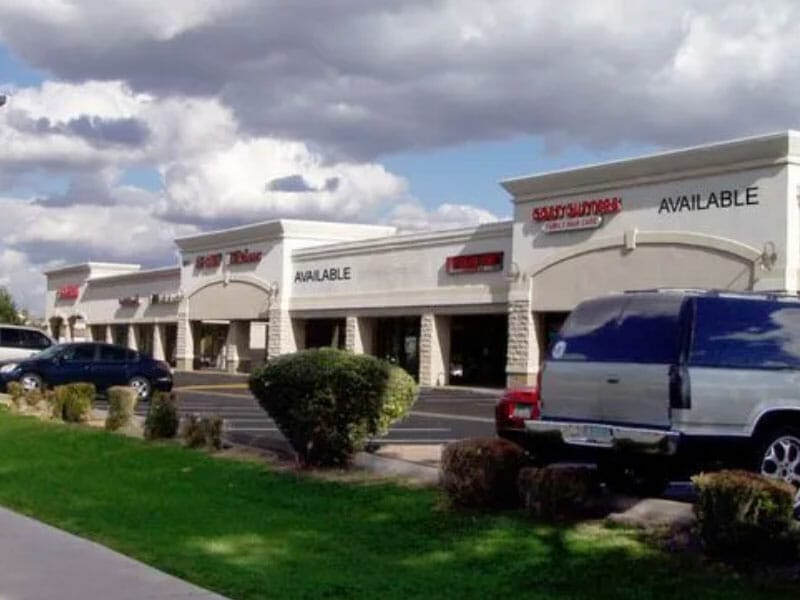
440,415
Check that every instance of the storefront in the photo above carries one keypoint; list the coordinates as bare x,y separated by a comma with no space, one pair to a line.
474,306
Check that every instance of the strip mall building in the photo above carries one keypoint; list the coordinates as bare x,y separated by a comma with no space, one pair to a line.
470,306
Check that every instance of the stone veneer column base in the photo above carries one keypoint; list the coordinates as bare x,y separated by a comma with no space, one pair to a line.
522,362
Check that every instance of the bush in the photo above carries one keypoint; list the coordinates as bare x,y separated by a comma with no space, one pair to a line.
17,393
121,406
203,432
33,398
162,417
328,402
481,472
73,402
742,515
560,491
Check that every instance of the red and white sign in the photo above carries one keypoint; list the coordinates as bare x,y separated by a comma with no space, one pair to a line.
475,263
68,292
581,214
209,261
244,257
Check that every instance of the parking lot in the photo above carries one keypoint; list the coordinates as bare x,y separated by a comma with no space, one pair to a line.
438,417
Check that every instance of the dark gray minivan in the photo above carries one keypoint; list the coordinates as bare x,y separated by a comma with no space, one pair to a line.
673,380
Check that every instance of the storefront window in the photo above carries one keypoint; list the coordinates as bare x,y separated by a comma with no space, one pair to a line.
397,340
325,333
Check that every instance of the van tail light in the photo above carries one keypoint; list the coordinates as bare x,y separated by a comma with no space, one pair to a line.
515,407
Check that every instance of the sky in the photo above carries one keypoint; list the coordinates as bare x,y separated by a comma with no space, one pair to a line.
129,123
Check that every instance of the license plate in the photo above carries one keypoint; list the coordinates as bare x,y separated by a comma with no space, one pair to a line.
594,434
522,411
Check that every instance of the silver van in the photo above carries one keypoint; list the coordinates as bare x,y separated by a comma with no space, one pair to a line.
18,342
657,383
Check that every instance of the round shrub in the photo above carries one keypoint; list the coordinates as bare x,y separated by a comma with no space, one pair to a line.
743,515
73,402
559,491
121,406
329,402
481,472
202,432
162,418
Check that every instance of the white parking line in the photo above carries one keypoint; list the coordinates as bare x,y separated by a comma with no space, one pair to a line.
424,441
419,429
418,413
248,429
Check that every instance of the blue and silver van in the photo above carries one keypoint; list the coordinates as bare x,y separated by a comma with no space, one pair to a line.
656,380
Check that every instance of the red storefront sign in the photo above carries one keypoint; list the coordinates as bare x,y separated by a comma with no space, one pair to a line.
208,261
244,257
581,214
475,263
68,292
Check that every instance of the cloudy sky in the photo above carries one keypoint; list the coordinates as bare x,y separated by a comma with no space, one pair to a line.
130,122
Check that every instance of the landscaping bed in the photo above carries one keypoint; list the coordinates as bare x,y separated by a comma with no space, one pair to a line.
246,531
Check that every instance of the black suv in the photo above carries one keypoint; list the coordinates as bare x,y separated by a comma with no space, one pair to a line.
104,365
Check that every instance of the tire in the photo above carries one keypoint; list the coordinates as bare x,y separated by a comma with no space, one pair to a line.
778,456
31,382
142,387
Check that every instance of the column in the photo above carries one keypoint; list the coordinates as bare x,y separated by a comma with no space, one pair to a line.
522,362
358,335
109,331
184,353
133,335
232,348
158,342
281,334
434,350
90,333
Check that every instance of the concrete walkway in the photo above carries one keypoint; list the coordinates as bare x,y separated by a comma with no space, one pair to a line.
40,562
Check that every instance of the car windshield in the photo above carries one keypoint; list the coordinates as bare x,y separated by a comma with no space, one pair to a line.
50,352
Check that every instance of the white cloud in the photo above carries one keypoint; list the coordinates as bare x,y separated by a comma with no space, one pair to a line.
411,216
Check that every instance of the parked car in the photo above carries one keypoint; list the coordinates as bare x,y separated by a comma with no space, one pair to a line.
514,407
104,365
658,383
21,342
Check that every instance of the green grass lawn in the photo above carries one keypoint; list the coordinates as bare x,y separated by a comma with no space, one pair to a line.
241,530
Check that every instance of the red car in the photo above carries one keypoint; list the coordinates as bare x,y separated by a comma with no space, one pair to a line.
516,406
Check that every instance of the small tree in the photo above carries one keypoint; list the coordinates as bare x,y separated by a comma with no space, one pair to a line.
8,308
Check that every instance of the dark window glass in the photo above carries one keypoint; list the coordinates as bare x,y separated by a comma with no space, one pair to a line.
632,329
11,338
746,333
79,352
113,353
35,340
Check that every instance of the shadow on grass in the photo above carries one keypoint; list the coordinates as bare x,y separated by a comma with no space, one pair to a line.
249,533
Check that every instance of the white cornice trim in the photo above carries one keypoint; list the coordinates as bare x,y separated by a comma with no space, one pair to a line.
737,155
499,230
160,273
88,266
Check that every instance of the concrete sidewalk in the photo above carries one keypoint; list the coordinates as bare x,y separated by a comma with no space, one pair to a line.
40,562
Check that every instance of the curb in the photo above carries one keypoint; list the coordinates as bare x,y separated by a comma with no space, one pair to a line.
393,467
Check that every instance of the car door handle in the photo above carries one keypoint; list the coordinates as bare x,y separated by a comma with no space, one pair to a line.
612,380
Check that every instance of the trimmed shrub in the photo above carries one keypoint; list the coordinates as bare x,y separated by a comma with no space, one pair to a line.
743,515
559,492
33,398
73,402
202,432
329,402
481,472
162,417
17,393
121,406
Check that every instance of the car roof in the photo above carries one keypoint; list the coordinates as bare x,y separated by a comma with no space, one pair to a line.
25,327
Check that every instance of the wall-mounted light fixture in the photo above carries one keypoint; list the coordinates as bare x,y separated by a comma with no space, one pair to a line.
769,255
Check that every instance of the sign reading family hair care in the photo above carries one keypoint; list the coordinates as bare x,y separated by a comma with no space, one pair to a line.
68,292
172,298
698,201
475,263
331,274
581,214
129,301
208,261
244,257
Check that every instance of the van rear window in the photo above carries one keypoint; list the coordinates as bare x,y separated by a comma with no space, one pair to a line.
625,329
746,334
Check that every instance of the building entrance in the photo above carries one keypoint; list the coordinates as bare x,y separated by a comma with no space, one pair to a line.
397,340
210,339
478,346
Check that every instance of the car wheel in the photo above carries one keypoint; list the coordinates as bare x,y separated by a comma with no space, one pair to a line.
31,382
142,387
779,457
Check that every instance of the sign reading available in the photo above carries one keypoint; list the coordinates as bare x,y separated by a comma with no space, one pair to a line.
580,214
